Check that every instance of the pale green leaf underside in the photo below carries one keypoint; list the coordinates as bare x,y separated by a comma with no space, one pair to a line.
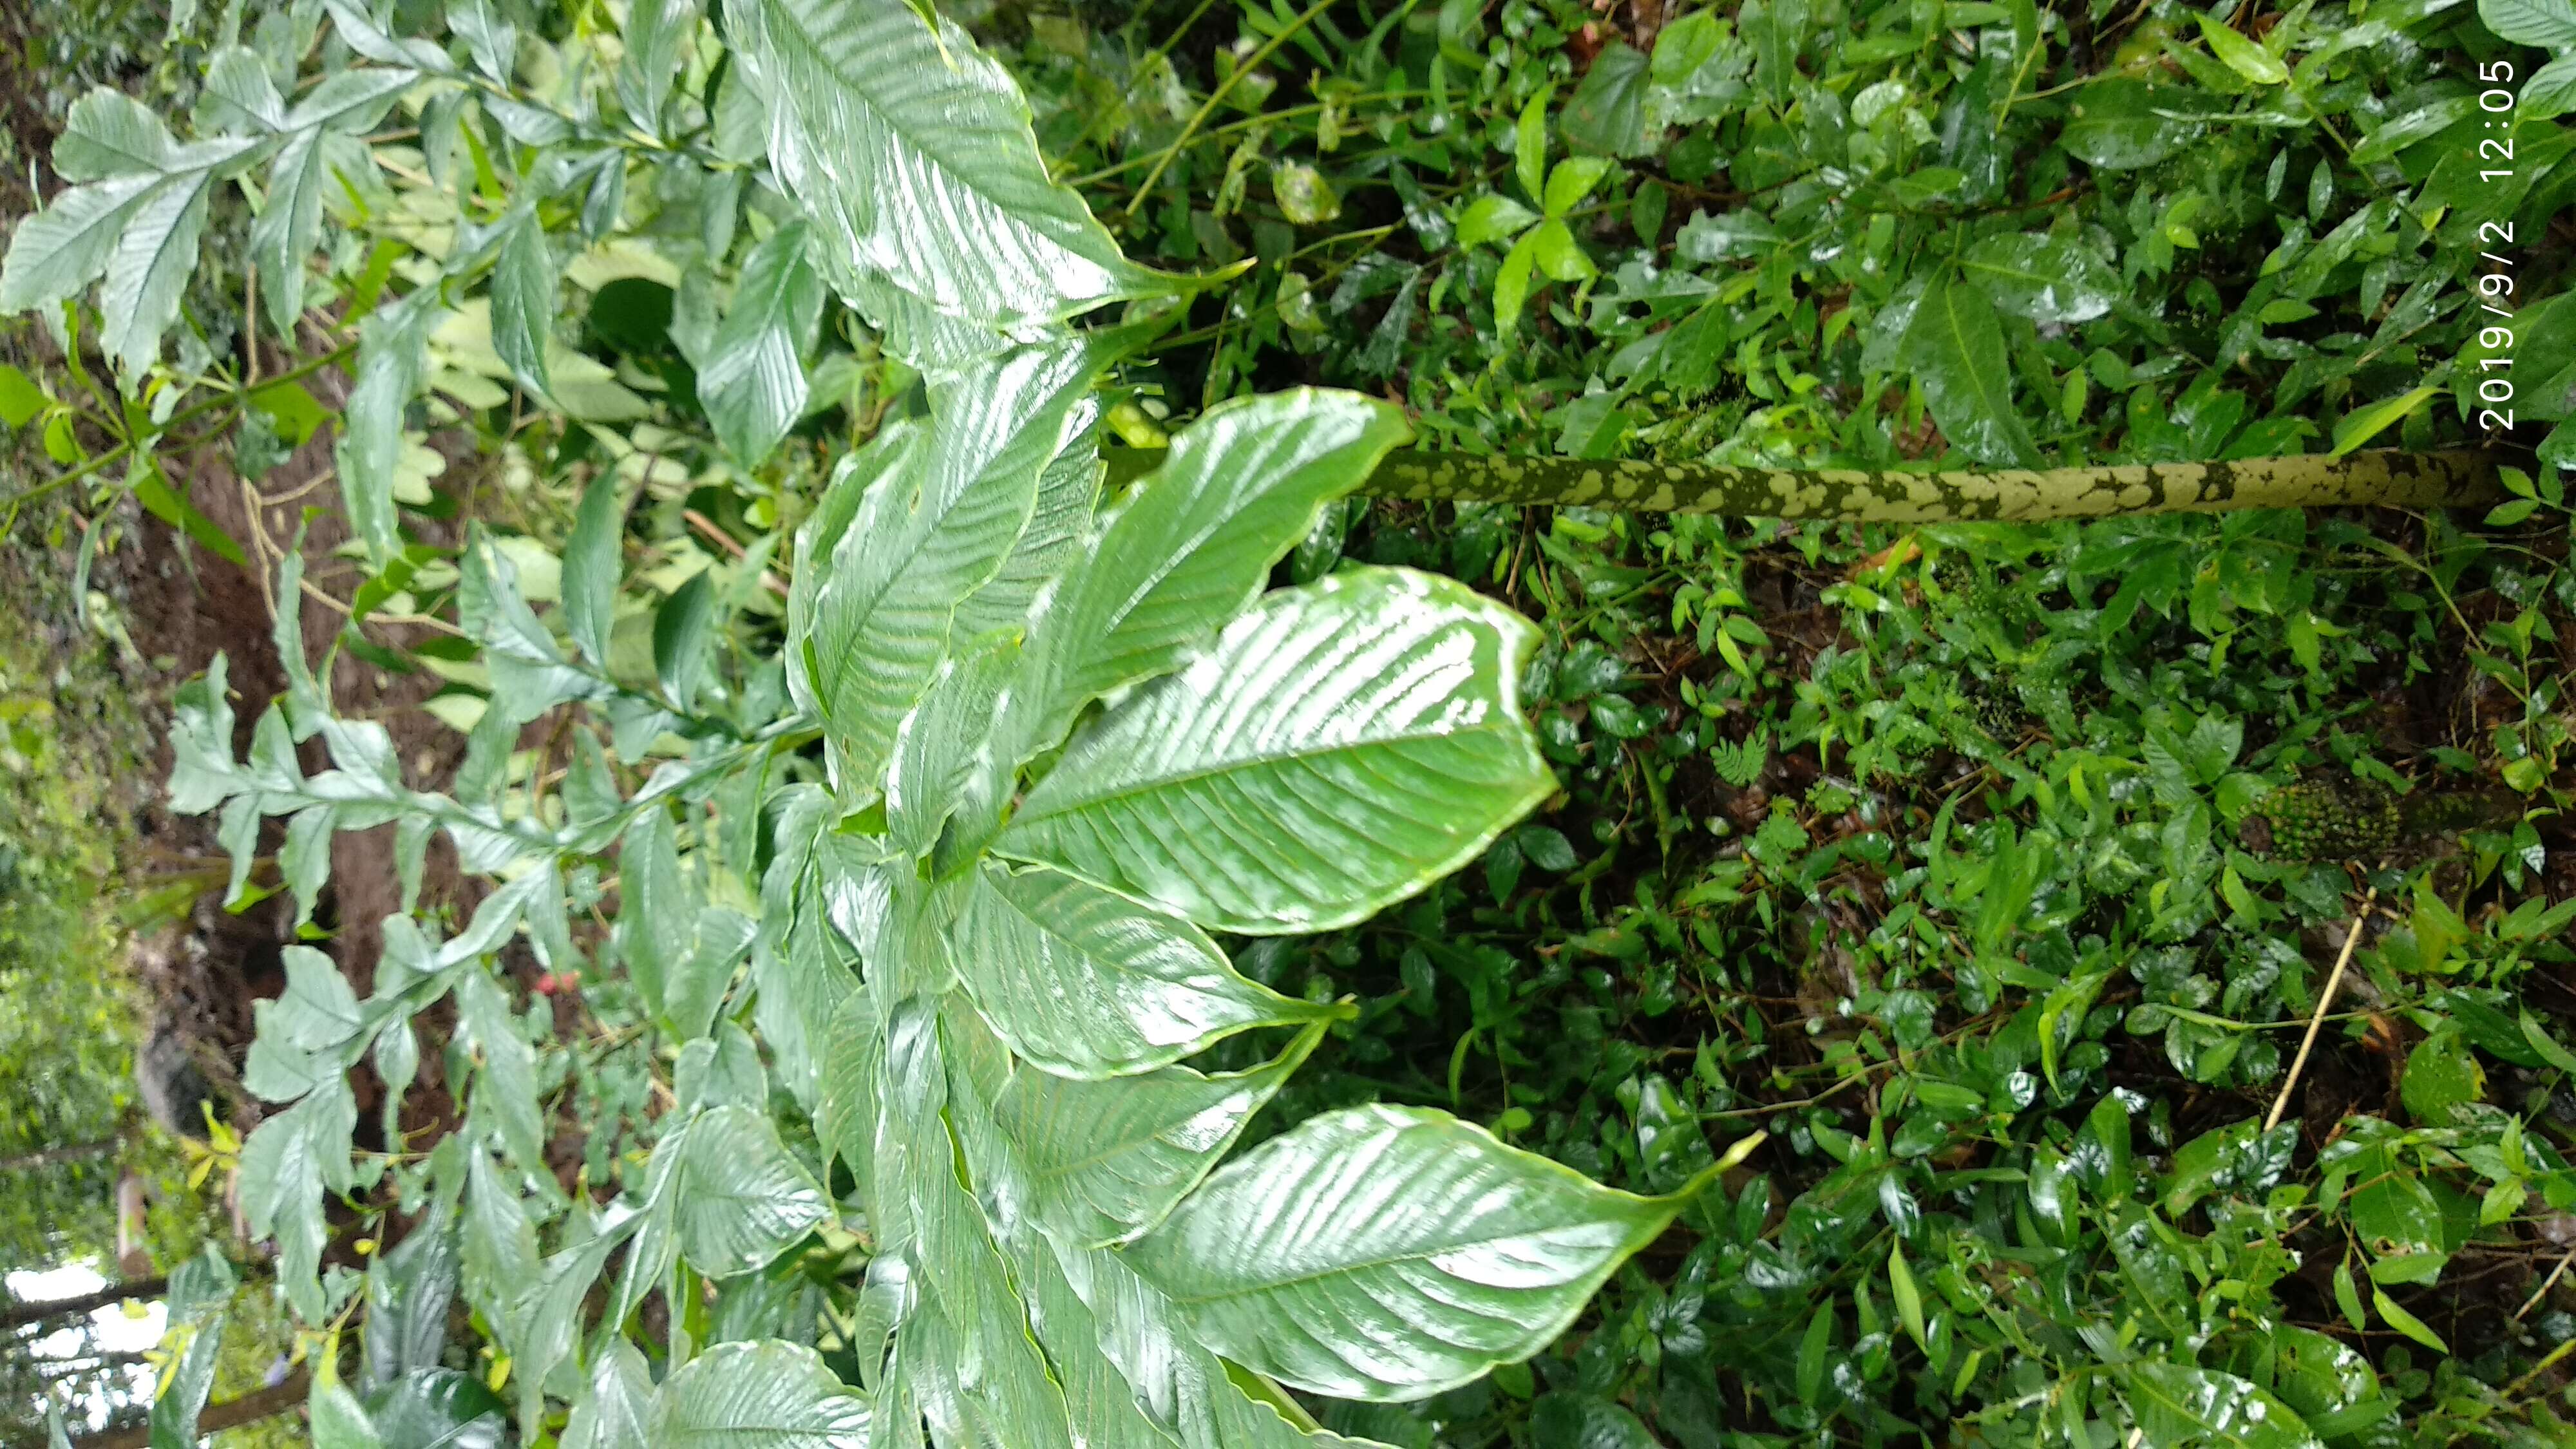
1337,749
1089,983
738,1198
1390,1252
912,153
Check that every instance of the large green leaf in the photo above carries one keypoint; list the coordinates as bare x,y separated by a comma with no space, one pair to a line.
938,510
752,379
592,565
911,151
737,1198
766,1395
2048,279
1956,346
1391,1252
2549,24
2177,1404
393,353
1087,982
1194,542
659,34
614,1405
1335,750
1106,1161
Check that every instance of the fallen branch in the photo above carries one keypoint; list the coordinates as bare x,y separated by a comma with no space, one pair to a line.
2325,1000
250,1408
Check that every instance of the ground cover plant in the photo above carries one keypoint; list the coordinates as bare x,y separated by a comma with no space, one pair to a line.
966,885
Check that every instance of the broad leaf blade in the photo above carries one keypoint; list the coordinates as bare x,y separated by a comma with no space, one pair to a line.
1194,542
592,565
2177,1404
766,1395
1957,348
938,511
1337,749
752,381
912,153
523,300
2048,279
1106,1161
738,1198
1391,1252
1089,983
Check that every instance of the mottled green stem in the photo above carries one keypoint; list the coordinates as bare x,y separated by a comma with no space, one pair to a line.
2386,479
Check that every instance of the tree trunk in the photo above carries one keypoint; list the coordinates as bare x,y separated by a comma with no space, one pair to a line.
2382,478
56,1156
250,1408
19,1315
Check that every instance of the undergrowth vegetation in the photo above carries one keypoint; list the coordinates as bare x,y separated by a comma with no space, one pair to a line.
2099,984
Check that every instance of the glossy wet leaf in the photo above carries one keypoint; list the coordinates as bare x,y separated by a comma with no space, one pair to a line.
1196,538
1957,348
765,1395
911,152
2177,1404
1107,1160
1335,750
738,1198
1390,1252
1089,983
752,378
2046,278
924,518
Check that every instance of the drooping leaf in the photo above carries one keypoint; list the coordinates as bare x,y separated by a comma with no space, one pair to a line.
752,379
2548,24
409,1289
1068,490
946,739
591,567
438,1408
338,1420
911,152
658,36
393,344
1390,1252
615,1404
1195,540
1089,983
1333,751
